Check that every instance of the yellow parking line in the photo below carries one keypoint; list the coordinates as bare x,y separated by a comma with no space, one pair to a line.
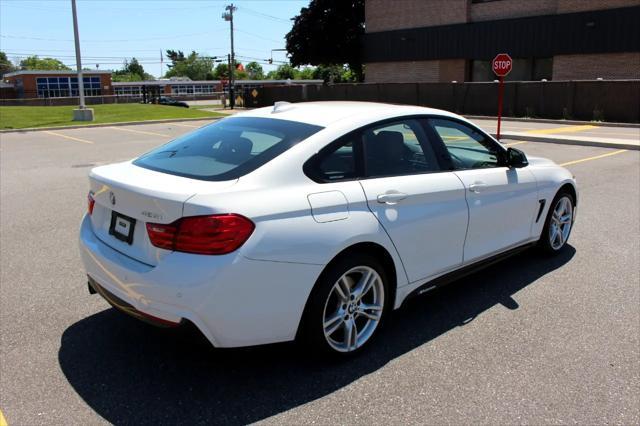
140,131
514,143
608,154
67,137
3,421
564,129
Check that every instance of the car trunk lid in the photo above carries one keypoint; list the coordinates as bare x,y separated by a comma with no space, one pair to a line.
127,197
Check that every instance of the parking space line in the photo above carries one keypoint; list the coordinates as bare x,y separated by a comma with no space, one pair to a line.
140,131
514,143
582,160
67,137
564,129
3,421
185,125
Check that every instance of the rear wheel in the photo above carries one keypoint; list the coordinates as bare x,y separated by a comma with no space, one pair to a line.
559,223
347,305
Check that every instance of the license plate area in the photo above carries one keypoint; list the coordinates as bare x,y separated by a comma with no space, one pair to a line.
122,227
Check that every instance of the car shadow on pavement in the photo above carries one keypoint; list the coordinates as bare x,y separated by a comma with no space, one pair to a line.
133,373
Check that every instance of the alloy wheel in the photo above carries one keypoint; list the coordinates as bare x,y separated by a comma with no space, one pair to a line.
561,222
353,309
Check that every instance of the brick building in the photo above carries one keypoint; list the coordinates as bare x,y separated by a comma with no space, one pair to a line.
56,84
455,40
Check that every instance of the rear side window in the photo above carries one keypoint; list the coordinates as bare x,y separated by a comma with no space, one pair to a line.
339,164
227,149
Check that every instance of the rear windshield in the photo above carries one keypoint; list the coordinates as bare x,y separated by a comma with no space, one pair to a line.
227,149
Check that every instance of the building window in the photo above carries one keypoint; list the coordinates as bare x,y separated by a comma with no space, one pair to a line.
133,91
531,69
191,89
64,87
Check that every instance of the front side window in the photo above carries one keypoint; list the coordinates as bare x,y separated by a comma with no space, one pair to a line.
467,147
398,148
227,149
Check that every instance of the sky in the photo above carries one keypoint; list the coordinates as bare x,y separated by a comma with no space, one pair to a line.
114,30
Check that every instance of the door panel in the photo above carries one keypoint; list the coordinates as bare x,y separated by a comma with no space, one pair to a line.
502,206
425,216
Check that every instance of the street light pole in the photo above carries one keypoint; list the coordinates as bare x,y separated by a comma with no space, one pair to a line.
228,16
78,60
82,113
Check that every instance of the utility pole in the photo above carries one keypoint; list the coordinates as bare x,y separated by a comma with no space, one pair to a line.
82,113
228,16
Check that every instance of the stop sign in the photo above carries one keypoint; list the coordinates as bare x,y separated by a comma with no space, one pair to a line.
502,64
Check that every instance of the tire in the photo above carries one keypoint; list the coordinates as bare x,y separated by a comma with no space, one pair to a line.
551,241
336,305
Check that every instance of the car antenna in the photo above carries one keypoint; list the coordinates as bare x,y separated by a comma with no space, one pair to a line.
280,106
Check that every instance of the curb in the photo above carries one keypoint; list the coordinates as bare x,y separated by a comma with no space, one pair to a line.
560,141
121,123
548,120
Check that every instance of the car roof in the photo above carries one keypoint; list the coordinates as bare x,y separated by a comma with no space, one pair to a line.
324,113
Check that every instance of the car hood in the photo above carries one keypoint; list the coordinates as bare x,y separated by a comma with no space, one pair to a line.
540,161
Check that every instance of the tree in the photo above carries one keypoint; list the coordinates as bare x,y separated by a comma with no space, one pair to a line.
284,72
254,71
36,63
174,56
193,66
221,72
335,74
328,32
5,64
131,71
306,73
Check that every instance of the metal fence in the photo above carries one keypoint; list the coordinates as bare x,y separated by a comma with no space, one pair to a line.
32,99
599,100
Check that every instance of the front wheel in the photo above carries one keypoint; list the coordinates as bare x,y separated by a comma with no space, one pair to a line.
347,305
559,223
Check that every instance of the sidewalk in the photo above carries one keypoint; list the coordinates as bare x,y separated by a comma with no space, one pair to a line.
561,132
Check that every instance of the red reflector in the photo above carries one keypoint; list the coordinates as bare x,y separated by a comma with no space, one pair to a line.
216,234
90,202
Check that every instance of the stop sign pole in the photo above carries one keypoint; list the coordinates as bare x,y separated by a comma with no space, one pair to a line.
501,65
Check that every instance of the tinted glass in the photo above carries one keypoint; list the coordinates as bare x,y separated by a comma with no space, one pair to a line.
398,148
337,164
468,148
227,149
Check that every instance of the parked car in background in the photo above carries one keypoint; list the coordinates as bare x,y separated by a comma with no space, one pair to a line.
166,100
313,220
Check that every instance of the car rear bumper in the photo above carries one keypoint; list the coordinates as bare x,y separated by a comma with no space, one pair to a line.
234,301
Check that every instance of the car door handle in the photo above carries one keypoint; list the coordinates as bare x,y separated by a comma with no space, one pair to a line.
391,197
477,186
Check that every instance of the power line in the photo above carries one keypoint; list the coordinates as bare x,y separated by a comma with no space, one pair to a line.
259,36
112,41
263,15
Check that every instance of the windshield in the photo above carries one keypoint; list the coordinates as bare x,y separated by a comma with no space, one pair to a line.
227,149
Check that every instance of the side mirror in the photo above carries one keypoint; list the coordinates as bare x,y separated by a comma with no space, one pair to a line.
516,158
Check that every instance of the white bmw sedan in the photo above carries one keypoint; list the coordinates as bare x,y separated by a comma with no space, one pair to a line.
313,220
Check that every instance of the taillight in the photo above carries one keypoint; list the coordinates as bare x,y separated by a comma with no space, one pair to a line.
216,234
90,202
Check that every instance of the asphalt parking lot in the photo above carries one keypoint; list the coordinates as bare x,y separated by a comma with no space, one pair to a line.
530,340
